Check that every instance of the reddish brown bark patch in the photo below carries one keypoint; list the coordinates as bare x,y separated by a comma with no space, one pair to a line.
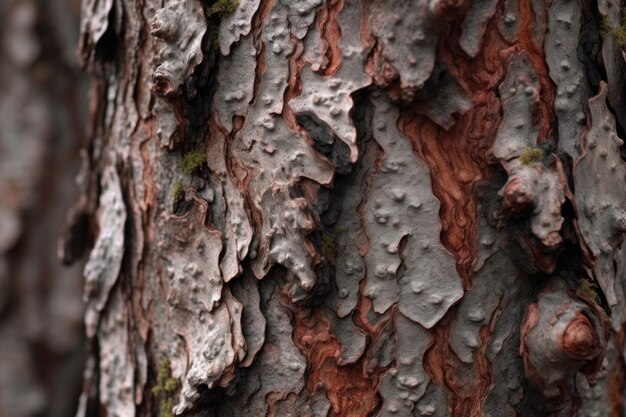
331,33
579,339
350,393
535,52
457,157
449,10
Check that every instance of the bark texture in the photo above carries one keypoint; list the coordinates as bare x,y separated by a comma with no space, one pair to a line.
42,119
354,208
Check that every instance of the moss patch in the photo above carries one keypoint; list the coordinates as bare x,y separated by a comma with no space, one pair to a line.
222,7
617,32
166,389
588,289
214,13
193,160
177,191
531,155
329,245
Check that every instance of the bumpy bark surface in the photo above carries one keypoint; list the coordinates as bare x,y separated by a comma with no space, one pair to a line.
354,208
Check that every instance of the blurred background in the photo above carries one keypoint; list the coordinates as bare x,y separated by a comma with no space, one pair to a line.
43,118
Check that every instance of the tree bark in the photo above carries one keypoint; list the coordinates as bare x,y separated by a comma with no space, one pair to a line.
42,117
353,208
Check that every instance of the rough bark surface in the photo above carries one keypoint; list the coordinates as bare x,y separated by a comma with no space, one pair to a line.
354,208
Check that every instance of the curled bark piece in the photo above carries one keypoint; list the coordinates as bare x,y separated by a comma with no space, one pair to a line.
252,320
536,186
561,336
117,367
286,222
330,97
475,24
235,77
352,340
202,312
301,15
614,59
407,40
192,285
567,72
279,369
179,27
105,259
599,175
519,94
402,208
94,23
214,343
266,143
279,154
532,187
237,228
267,146
237,24
341,242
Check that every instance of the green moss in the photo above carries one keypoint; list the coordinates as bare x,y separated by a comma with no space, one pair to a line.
193,160
222,7
588,289
531,155
166,389
177,191
329,245
214,13
617,32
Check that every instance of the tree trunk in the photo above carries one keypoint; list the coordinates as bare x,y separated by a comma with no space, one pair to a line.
353,208
42,120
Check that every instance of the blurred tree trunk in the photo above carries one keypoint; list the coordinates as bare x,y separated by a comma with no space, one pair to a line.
353,208
42,118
